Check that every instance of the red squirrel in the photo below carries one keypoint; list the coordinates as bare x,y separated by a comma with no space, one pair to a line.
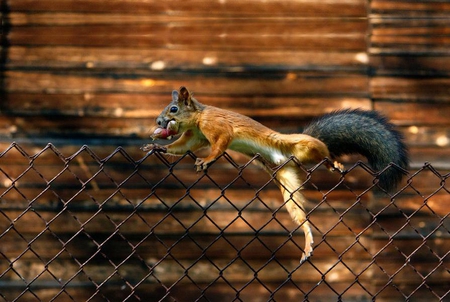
334,134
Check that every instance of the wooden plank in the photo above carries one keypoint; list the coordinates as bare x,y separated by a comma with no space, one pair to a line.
297,34
410,44
385,26
349,8
196,28
431,136
20,19
436,155
423,35
293,83
410,65
79,126
147,106
133,115
407,8
412,113
182,59
410,89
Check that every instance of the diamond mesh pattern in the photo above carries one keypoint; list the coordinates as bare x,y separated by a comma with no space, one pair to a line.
115,228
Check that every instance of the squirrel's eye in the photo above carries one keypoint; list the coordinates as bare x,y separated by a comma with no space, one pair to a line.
173,109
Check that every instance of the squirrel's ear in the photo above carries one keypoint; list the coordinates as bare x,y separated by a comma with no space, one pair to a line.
174,96
185,94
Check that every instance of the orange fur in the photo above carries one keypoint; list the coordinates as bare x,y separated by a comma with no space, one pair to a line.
204,126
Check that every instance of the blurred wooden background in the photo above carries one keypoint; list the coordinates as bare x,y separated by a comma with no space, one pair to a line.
97,73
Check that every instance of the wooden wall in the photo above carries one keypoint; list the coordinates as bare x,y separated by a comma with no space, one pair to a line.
82,224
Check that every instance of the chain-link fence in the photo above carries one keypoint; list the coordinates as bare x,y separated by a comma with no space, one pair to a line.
117,228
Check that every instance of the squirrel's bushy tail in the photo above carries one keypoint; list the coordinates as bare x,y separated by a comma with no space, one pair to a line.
367,133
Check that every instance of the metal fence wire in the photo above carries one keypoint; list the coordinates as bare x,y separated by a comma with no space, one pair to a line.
116,228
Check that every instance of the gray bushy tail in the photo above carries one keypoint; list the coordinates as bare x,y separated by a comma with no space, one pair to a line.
367,133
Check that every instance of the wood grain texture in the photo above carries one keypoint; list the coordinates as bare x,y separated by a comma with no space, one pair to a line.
411,64
106,223
169,60
410,89
269,35
150,82
308,8
410,8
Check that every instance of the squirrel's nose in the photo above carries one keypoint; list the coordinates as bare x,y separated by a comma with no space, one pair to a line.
161,121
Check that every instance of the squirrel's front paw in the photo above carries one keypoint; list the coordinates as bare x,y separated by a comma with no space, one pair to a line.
155,147
200,164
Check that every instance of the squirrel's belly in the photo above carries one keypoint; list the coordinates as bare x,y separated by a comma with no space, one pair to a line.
251,148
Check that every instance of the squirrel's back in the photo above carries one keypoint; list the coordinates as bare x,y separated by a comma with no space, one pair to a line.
367,133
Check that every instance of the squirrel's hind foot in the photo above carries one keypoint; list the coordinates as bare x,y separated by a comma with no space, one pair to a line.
336,166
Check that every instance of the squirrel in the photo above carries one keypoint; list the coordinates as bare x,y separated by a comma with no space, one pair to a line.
341,132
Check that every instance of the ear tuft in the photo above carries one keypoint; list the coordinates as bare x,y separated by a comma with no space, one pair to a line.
185,94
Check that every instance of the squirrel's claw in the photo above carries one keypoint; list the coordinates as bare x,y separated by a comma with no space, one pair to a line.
338,166
309,241
146,147
308,252
154,147
200,164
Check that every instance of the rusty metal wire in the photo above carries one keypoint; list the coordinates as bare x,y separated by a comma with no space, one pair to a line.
85,228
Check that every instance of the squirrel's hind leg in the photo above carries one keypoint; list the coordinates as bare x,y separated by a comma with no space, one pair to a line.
290,184
299,216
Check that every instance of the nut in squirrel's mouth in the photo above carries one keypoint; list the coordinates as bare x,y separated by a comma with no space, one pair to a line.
166,133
